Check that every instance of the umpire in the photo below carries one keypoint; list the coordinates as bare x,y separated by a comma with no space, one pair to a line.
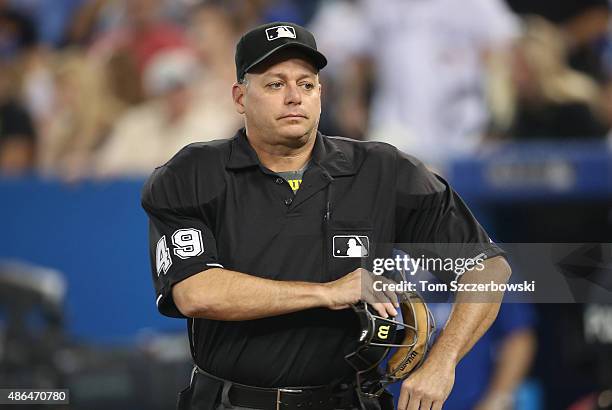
249,240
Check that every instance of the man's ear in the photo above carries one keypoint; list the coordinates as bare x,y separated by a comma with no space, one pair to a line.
238,92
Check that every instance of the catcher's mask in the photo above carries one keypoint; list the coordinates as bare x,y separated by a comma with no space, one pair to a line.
408,338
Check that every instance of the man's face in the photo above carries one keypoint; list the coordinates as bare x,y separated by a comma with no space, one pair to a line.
281,101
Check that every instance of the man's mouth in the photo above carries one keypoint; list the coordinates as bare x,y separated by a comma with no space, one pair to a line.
293,116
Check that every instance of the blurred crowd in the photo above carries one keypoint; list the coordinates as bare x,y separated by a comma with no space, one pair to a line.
104,88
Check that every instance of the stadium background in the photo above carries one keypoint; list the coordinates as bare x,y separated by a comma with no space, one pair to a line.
95,93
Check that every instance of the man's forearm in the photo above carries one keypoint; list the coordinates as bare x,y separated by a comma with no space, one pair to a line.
467,323
472,315
223,294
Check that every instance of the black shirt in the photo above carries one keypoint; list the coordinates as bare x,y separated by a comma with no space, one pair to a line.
214,204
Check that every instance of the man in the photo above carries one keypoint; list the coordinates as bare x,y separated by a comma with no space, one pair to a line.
250,262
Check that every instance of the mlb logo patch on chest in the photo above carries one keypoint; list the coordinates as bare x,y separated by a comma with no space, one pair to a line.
351,246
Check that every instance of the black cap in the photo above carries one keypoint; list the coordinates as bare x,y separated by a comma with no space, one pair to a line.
264,41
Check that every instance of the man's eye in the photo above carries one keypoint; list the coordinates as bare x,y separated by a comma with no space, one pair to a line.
276,85
308,86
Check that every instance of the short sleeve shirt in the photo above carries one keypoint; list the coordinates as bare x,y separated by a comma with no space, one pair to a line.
215,205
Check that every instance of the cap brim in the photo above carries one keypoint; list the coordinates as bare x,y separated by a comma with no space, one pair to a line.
315,56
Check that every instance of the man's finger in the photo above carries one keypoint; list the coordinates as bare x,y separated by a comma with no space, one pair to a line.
390,295
437,405
425,404
381,309
414,403
385,309
402,403
390,309
340,307
392,298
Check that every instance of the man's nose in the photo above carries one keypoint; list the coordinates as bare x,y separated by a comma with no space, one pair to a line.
293,94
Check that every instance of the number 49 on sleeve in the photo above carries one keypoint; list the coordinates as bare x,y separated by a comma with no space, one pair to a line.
163,261
187,243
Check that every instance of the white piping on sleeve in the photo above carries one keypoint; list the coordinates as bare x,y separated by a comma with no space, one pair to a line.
216,265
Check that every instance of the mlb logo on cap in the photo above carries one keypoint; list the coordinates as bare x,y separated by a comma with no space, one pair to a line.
264,41
351,246
280,32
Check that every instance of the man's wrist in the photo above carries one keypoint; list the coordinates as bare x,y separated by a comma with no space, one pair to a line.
321,294
444,353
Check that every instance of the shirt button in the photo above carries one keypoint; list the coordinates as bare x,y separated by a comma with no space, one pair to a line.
279,180
288,201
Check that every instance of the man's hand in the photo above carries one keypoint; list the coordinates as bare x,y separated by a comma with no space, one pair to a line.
428,387
356,286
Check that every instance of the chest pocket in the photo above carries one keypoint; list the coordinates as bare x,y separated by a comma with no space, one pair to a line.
350,244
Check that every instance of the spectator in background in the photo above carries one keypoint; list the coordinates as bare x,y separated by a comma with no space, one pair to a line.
94,18
548,99
213,32
51,18
84,111
19,44
583,24
148,135
143,33
345,17
254,12
125,81
289,10
428,58
607,108
17,135
17,32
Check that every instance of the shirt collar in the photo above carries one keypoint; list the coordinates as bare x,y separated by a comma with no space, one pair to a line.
326,153
242,155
